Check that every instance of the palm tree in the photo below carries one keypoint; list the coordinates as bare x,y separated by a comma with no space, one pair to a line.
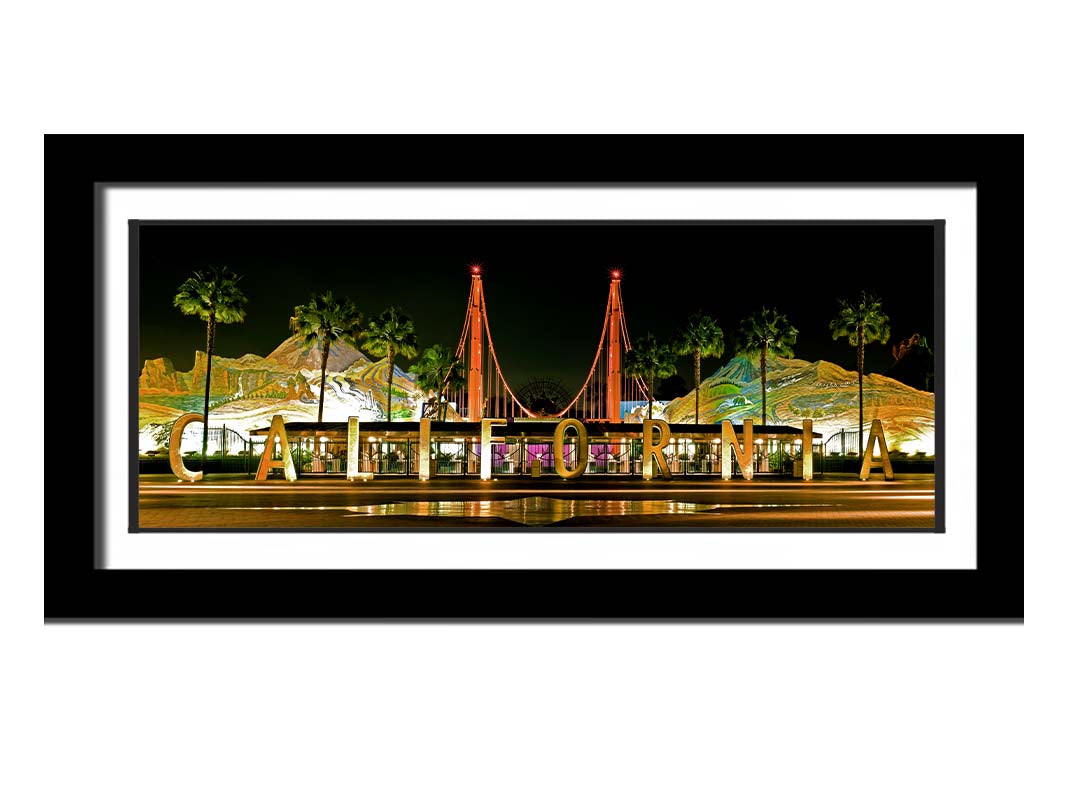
649,360
390,334
766,333
864,322
702,338
437,369
323,321
212,295
929,372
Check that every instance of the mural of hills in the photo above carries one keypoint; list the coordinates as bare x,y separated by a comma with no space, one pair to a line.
821,391
247,391
294,354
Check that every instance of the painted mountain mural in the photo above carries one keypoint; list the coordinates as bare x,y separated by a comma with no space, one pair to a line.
247,391
821,391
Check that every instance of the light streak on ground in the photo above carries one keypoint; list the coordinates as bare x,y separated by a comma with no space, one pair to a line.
478,487
454,504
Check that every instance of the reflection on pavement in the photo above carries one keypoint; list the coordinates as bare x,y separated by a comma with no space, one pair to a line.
546,510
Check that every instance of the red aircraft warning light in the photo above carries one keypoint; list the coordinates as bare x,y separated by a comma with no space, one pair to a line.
476,269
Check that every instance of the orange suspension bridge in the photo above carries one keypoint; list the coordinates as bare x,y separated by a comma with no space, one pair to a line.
487,392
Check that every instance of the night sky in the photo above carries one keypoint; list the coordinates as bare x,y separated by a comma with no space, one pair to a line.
546,286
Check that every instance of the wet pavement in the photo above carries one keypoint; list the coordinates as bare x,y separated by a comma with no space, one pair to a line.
238,503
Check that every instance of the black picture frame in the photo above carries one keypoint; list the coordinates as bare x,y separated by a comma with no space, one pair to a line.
78,167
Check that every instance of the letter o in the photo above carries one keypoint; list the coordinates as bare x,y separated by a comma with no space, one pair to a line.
583,448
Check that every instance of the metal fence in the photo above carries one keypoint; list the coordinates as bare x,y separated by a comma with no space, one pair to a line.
228,452
845,442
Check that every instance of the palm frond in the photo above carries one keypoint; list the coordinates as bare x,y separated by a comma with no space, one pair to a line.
212,291
392,331
766,328
325,319
649,359
865,316
701,335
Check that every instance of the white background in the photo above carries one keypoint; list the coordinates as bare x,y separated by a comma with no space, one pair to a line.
731,711
716,550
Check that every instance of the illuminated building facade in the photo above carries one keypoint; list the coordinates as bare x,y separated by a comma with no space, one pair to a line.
525,448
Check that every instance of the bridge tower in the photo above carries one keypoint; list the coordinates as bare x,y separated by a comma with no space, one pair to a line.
475,398
614,388
601,396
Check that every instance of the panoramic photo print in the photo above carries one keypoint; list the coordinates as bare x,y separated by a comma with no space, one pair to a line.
581,375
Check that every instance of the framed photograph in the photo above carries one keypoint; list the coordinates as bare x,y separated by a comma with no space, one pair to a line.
553,387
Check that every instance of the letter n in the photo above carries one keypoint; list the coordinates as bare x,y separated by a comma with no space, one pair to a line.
730,447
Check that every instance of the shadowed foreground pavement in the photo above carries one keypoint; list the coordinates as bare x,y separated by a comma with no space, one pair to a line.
236,502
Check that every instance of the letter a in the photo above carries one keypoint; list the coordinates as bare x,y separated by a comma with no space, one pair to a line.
267,461
883,452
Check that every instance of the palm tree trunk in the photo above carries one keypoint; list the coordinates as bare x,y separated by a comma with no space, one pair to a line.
763,379
650,380
859,364
207,388
696,361
389,396
440,395
322,385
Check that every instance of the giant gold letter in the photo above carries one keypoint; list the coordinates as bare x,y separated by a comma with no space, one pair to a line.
650,451
353,449
883,451
730,446
582,456
267,461
424,449
486,457
352,471
177,466
805,445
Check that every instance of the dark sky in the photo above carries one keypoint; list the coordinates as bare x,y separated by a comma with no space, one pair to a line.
546,286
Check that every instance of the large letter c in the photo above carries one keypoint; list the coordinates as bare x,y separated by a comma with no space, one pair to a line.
177,466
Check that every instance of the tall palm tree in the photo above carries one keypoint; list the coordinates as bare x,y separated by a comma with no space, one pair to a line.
766,333
864,322
702,338
390,334
212,295
437,369
648,360
322,321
